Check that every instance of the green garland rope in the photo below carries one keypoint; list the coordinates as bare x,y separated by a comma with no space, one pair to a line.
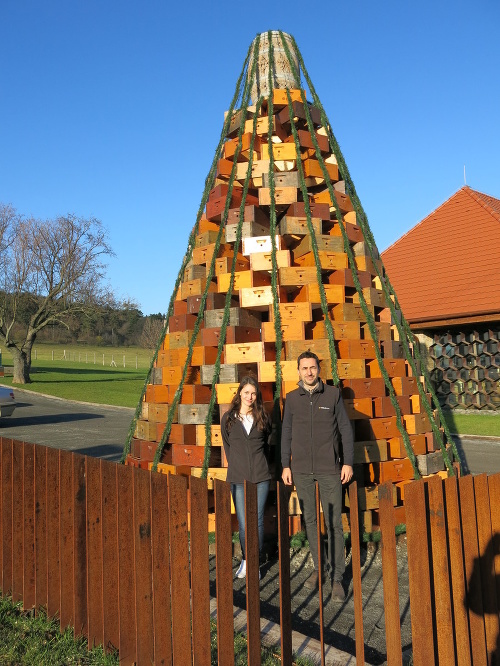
404,331
366,310
187,257
201,311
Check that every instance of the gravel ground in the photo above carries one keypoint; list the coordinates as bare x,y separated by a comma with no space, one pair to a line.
338,618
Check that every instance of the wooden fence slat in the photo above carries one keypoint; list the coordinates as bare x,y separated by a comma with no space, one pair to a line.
356,573
41,597
320,572
390,576
179,569
486,563
284,567
494,493
95,611
200,587
6,515
471,558
110,565
455,549
126,566
28,500
17,519
440,573
66,538
161,569
53,527
79,546
143,582
224,557
252,577
419,574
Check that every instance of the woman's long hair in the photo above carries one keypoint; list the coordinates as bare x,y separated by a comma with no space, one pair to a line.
261,419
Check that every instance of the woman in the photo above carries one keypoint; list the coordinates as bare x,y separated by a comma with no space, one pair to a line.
245,433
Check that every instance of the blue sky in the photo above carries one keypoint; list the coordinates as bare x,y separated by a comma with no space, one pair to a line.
114,109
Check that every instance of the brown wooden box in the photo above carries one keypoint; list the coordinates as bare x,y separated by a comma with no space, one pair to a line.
396,447
384,407
376,428
237,317
282,195
328,261
298,226
213,302
250,214
286,179
179,339
248,229
317,210
196,287
294,276
181,323
192,414
191,394
313,168
234,334
370,451
194,456
395,367
359,408
363,388
259,298
262,261
201,355
390,470
343,276
259,244
310,293
229,372
215,433
405,385
351,369
203,255
250,352
290,330
267,371
417,424
324,242
356,349
368,497
184,435
156,393
242,280
299,112
431,463
224,264
293,348
349,311
383,329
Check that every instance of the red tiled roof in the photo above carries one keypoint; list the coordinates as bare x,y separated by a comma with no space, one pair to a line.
448,265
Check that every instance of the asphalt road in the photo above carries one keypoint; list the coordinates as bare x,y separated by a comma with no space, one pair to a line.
93,430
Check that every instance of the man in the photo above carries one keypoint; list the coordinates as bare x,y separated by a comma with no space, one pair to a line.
317,445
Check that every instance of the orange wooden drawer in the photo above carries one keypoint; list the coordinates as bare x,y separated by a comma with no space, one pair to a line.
363,388
396,447
356,348
251,352
384,407
290,330
359,408
156,393
390,470
396,367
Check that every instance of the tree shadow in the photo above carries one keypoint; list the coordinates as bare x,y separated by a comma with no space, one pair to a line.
483,591
48,419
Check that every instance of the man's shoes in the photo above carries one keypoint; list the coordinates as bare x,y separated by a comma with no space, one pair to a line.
338,593
242,569
311,583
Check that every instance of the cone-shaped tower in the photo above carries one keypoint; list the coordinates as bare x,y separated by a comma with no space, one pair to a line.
281,260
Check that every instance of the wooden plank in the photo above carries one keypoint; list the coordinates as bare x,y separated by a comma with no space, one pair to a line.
160,540
440,573
6,515
487,554
494,493
110,567
200,588
474,598
390,576
458,583
126,565
252,579
419,574
66,538
53,533
143,564
95,612
179,563
224,572
41,526
80,545
284,575
17,520
356,573
29,526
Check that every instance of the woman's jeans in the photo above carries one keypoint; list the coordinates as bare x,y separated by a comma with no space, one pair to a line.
238,493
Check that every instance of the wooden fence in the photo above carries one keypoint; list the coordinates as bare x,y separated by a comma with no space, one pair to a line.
113,552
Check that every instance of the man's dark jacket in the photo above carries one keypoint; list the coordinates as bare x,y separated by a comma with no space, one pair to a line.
316,433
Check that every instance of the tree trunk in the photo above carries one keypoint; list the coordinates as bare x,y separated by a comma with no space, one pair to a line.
22,365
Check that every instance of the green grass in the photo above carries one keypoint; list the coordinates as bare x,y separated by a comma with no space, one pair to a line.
486,423
27,639
106,386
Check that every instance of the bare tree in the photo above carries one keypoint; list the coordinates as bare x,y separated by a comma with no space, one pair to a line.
153,328
49,271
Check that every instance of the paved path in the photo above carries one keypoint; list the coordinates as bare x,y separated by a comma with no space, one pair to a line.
94,430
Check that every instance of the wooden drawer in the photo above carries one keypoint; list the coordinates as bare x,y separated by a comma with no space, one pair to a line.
370,451
248,229
251,352
310,293
384,407
250,214
226,392
372,297
395,367
224,264
390,470
383,329
242,280
215,434
376,429
341,330
182,434
281,151
156,393
193,456
405,385
181,323
192,414
343,276
396,447
203,255
179,339
313,168
417,424
267,371
196,287
287,179
229,372
368,497
296,276
201,355
213,301
351,369
290,330
356,348
324,243
298,226
259,244
328,261
282,195
363,388
237,317
359,408
293,348
262,261
191,394
259,298
213,473
234,334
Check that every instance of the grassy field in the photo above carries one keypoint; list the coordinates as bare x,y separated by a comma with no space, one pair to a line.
486,423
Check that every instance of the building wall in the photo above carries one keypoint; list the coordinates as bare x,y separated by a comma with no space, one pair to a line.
464,365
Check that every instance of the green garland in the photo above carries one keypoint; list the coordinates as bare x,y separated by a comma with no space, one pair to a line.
404,331
352,264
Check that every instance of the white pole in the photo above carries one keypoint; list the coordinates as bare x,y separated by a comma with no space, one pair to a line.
103,359
123,360
136,361
52,354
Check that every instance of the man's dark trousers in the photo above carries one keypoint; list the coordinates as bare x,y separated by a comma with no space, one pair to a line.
330,491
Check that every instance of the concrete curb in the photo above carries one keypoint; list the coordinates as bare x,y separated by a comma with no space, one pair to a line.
76,402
